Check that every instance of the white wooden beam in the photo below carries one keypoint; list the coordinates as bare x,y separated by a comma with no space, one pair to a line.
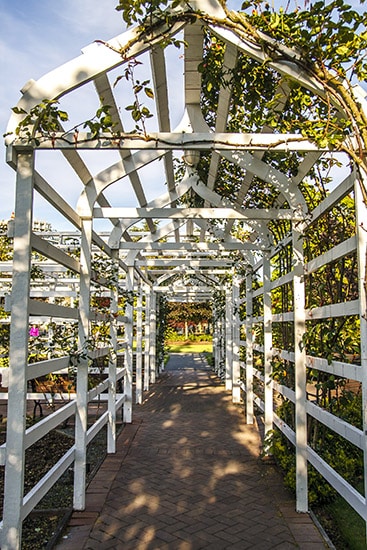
128,380
192,247
336,195
361,217
139,347
178,262
236,370
152,336
18,357
268,356
300,370
192,213
81,416
193,36
249,351
335,253
45,309
170,141
146,378
112,360
228,322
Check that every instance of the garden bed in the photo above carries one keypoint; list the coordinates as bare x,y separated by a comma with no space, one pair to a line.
42,526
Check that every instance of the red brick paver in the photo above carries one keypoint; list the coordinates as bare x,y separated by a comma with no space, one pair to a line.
187,476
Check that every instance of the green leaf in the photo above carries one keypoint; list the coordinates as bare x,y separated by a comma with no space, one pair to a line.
274,21
136,115
18,111
342,50
63,115
149,92
107,121
118,80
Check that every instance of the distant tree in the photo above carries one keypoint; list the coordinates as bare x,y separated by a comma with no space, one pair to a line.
6,247
186,314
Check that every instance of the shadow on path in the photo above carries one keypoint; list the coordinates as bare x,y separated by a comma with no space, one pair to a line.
187,475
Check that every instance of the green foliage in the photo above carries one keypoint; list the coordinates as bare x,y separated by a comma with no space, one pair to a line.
42,120
328,43
219,301
341,455
101,122
138,11
283,372
329,40
212,76
105,269
254,88
195,312
161,327
36,272
334,339
45,119
189,347
148,14
331,229
6,244
173,336
6,253
4,340
332,33
139,112
348,528
210,358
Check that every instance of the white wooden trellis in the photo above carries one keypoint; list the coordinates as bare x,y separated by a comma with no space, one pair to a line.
181,246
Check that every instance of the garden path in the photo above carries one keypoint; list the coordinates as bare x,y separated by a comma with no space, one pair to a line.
187,475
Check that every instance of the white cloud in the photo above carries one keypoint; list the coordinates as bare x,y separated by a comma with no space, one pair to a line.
36,37
92,18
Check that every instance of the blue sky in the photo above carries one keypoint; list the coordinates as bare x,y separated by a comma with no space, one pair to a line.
35,37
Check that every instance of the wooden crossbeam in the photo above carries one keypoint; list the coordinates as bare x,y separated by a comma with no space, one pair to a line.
193,213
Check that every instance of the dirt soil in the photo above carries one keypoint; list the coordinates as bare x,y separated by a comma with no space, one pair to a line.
42,526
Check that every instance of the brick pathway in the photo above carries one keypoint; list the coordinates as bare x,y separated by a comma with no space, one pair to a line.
187,475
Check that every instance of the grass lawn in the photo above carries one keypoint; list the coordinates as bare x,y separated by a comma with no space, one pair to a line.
189,347
350,526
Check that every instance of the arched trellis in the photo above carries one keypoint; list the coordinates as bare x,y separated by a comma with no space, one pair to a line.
188,241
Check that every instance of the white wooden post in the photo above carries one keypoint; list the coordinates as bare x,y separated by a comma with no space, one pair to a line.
219,347
215,339
161,364
268,381
221,344
147,339
17,391
249,352
361,218
228,340
112,365
300,367
152,337
81,415
236,370
139,348
128,379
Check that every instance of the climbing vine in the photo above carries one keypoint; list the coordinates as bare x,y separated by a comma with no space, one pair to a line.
326,44
326,41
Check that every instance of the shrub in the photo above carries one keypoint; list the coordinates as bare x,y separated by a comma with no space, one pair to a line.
342,456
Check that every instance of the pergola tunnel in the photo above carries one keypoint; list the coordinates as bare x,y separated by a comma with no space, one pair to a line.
198,202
